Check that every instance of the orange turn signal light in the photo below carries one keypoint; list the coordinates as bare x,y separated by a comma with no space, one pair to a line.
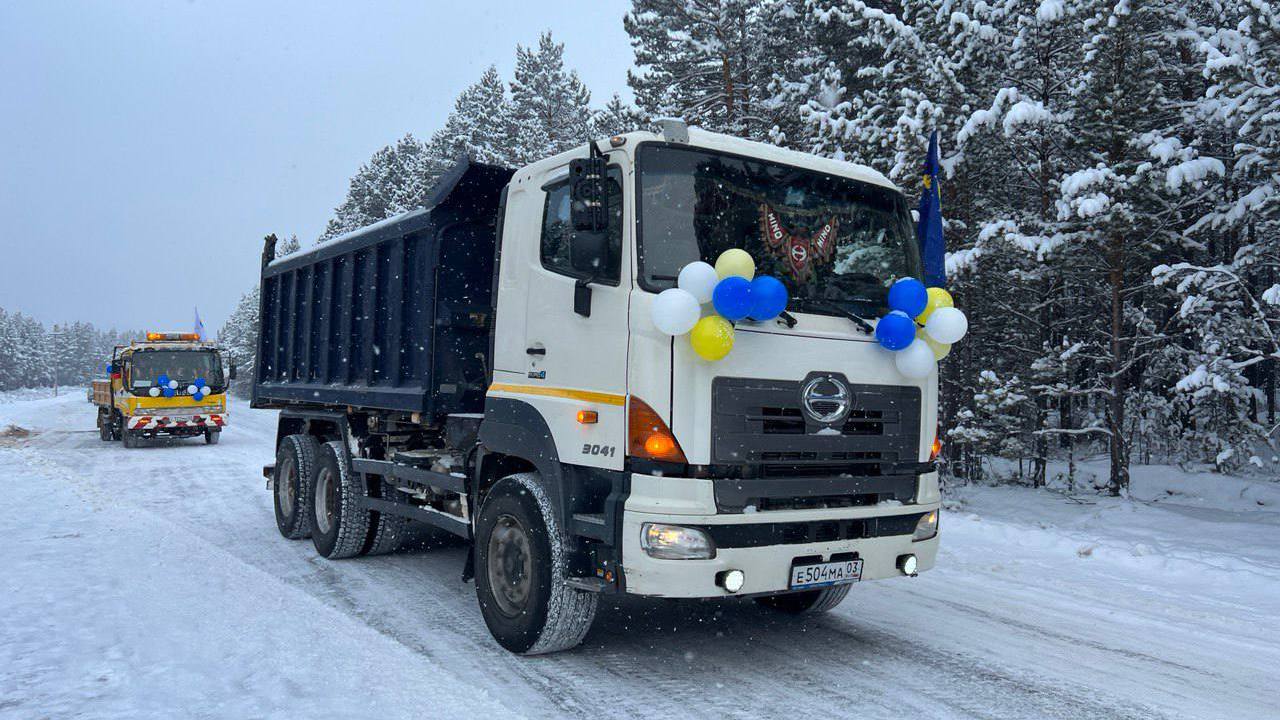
648,436
588,417
936,449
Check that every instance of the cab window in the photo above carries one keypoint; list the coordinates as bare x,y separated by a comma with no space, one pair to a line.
556,230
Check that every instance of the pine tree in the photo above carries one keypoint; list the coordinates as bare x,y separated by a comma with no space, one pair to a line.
615,118
550,104
396,179
480,127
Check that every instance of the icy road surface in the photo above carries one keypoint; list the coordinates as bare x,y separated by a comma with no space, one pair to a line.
152,583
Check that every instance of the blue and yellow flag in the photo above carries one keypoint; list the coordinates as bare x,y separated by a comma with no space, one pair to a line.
933,249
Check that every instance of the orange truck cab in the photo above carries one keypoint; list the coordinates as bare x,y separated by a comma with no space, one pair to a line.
170,384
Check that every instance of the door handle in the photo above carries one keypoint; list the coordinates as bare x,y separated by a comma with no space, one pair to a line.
536,351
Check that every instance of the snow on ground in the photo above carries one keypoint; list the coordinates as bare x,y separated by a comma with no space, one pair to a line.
152,583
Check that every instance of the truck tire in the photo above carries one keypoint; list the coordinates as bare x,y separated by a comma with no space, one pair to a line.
211,437
104,427
386,531
808,602
292,484
128,438
339,525
521,562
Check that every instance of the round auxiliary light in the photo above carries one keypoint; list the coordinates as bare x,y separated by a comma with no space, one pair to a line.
907,564
732,580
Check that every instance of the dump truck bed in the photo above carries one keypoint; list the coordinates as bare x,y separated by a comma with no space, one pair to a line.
395,316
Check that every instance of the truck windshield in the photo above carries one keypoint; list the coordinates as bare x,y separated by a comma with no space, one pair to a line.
185,366
836,243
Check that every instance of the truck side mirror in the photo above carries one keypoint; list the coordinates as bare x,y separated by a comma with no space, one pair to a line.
589,193
588,254
231,372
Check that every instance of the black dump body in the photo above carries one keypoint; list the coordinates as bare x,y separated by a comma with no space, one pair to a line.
394,316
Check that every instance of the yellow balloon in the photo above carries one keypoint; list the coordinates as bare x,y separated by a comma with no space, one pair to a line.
735,262
940,350
712,337
938,298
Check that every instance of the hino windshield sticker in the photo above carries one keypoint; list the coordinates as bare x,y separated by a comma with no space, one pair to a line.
801,253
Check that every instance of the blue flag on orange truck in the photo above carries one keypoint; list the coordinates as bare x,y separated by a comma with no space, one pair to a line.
933,249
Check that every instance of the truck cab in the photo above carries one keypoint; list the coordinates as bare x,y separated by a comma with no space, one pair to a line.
803,444
489,365
168,385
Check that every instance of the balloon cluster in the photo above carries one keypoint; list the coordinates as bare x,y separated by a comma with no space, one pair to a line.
169,387
734,292
918,344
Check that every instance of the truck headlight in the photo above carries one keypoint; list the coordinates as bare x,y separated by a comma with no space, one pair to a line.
672,542
926,526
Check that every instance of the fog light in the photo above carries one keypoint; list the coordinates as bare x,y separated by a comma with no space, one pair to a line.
926,526
672,542
731,580
907,564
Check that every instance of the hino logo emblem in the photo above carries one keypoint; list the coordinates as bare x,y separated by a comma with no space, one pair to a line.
826,399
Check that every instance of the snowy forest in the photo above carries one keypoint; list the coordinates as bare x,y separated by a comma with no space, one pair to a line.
67,354
1111,194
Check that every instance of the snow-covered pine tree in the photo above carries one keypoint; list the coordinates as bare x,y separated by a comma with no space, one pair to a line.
550,104
397,178
615,118
481,125
701,61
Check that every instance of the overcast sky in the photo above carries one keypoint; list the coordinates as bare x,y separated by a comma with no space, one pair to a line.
146,147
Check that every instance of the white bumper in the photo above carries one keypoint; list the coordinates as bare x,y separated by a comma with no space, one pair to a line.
691,502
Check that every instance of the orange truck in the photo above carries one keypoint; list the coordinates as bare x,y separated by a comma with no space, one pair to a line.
168,385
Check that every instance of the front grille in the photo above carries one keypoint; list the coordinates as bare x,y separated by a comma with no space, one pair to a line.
760,422
799,533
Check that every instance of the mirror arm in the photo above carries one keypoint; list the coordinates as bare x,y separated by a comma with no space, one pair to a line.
582,295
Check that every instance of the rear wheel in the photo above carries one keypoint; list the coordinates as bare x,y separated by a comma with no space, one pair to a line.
386,531
339,525
128,438
292,483
808,602
520,572
104,427
211,437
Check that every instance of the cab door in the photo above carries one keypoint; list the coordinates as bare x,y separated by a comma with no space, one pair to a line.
576,359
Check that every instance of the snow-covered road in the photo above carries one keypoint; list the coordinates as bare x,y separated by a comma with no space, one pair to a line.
152,583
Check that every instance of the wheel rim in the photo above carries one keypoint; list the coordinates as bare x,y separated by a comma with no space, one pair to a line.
287,489
510,565
326,501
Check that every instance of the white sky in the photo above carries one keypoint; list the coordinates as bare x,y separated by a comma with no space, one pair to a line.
146,147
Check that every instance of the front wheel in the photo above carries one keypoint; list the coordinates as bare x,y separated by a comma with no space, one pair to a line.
808,602
520,572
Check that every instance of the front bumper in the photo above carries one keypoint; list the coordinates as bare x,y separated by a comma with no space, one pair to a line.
176,424
691,503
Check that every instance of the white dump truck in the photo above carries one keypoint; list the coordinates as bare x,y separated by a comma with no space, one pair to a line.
489,365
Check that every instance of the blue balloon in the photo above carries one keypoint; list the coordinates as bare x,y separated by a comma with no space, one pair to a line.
162,380
201,383
732,297
169,392
908,295
199,394
768,298
895,331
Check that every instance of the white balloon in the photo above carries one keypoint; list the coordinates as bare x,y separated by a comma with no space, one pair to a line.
173,384
947,325
675,311
154,392
915,360
192,389
698,279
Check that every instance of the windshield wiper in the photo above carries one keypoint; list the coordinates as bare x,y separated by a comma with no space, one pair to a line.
857,319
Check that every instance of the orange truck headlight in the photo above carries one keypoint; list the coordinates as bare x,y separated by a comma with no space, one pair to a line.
648,436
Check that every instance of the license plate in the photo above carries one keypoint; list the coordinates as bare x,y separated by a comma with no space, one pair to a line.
830,573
